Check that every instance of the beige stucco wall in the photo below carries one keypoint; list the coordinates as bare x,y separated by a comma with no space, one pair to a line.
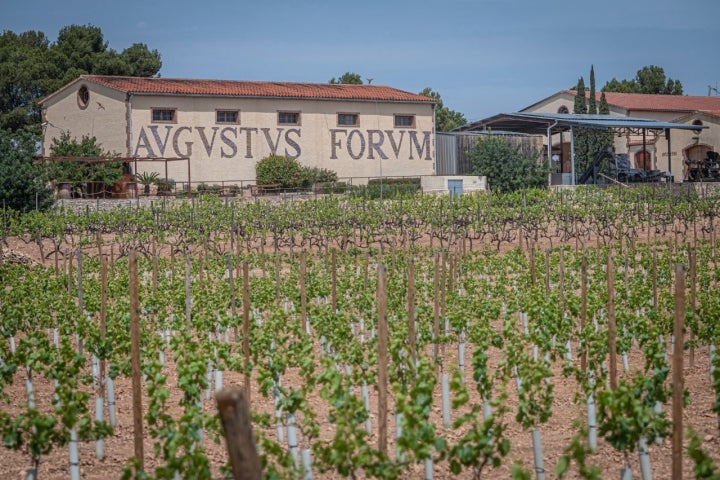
230,152
103,118
223,152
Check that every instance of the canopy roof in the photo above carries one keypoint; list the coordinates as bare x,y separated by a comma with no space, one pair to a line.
539,123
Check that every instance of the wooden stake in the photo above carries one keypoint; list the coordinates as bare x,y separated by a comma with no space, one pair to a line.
411,309
333,285
155,266
436,308
246,326
547,271
234,410
135,361
382,346
583,309
612,326
693,302
677,378
303,293
188,292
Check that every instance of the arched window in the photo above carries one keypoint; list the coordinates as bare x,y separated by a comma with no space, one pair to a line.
563,109
83,97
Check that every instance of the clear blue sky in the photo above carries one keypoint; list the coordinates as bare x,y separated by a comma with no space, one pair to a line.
483,56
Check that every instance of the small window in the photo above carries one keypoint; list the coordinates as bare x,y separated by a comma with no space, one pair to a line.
83,97
227,116
563,109
348,119
404,120
163,115
289,118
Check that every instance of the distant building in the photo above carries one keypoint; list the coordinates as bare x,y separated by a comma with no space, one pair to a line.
647,152
225,127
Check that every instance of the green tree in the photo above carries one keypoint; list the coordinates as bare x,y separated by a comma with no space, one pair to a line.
31,68
79,173
348,78
507,168
23,183
650,80
445,119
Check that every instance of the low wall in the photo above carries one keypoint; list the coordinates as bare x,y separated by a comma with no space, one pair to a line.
439,183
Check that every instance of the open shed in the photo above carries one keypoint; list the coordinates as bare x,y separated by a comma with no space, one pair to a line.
550,124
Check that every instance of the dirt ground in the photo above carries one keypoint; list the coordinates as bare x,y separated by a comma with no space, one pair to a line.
556,433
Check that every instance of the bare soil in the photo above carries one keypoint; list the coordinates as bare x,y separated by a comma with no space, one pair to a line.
557,433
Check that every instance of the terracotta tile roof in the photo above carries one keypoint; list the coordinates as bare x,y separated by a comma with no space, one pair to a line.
235,88
667,103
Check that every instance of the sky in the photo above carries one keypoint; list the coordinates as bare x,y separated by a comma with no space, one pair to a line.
484,57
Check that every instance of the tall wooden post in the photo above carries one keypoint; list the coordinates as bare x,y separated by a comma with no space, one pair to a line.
234,410
411,308
382,346
677,377
303,293
333,285
246,326
612,326
135,361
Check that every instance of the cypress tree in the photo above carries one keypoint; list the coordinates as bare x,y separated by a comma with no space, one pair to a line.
604,108
580,105
592,104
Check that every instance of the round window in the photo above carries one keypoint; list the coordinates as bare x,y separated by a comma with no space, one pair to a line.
697,122
83,97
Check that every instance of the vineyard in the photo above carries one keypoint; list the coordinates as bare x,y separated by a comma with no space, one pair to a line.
528,335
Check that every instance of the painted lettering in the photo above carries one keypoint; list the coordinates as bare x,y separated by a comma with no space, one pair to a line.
419,148
248,140
352,134
144,142
335,143
273,146
374,145
292,143
176,146
224,138
160,143
395,145
208,145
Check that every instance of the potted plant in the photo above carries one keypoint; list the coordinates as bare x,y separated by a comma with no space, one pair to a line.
146,179
165,186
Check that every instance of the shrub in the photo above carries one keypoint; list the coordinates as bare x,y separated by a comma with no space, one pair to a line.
506,167
312,175
388,188
278,170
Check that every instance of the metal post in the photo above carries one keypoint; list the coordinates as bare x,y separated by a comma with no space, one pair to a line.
572,155
669,152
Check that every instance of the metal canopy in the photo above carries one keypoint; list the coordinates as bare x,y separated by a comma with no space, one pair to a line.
551,123
540,123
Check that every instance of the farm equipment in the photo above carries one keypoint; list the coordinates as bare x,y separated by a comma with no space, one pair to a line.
620,170
705,170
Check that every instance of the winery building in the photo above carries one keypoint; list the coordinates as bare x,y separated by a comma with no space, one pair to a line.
648,150
222,128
